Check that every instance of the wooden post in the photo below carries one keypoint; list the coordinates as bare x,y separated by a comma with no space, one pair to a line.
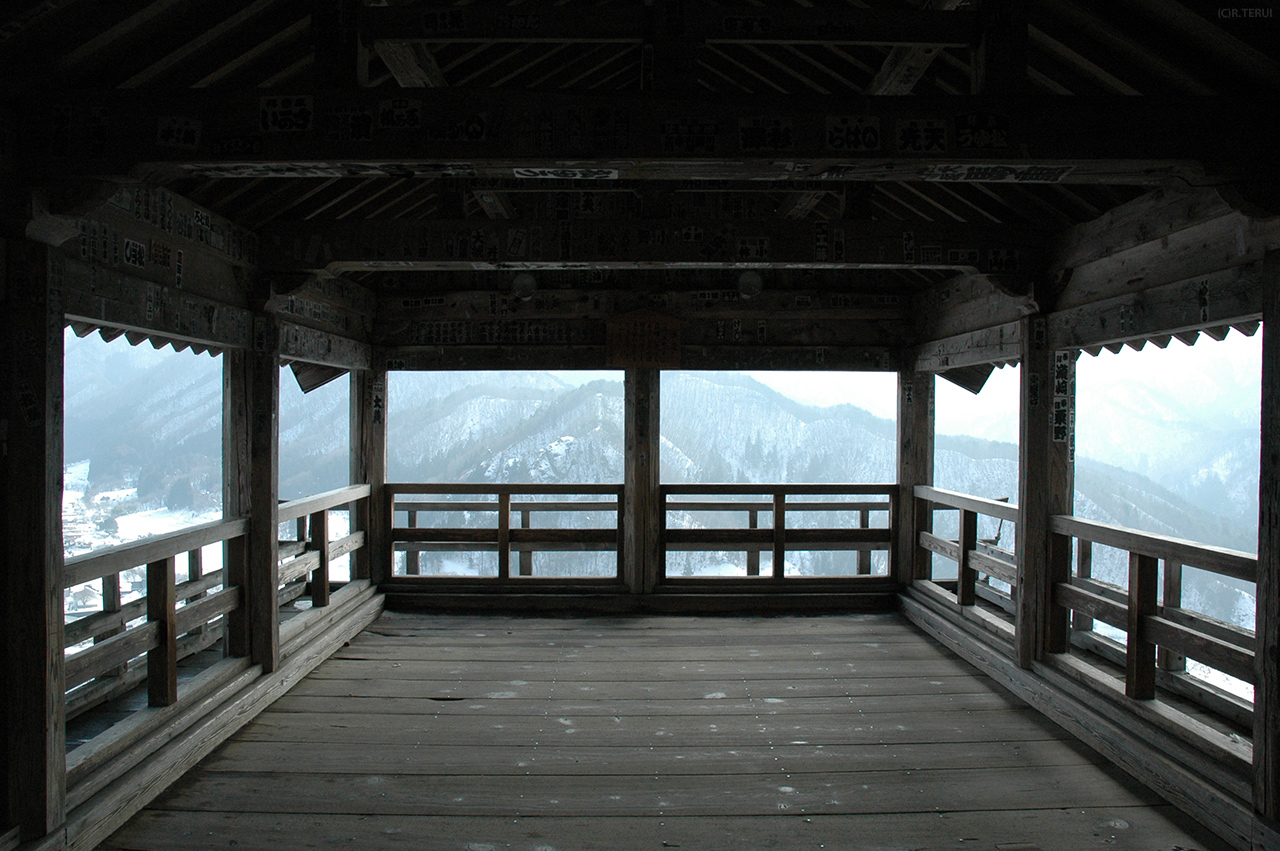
1057,628
753,555
966,576
369,466
162,660
320,543
1046,442
235,490
264,490
1266,692
1140,654
642,520
31,463
915,467
779,535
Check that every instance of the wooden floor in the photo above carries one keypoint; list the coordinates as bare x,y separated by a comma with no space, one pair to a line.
478,733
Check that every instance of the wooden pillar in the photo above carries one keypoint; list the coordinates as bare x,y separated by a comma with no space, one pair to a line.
235,489
915,467
369,466
31,574
642,521
1046,479
264,491
1266,694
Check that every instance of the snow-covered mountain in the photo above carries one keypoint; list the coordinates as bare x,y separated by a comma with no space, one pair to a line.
150,429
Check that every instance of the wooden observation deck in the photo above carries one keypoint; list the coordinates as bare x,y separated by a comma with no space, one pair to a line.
363,187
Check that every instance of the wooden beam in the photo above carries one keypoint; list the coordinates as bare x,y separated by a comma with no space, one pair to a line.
104,297
31,505
1046,459
906,64
998,344
299,343
456,133
264,461
540,244
1266,695
499,22
966,303
369,466
411,63
916,414
1158,242
148,233
1206,301
642,501
999,60
592,356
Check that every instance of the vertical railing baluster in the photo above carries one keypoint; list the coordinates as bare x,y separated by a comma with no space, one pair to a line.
1140,656
1169,660
753,554
195,570
412,565
504,535
779,534
526,556
319,542
1084,569
966,576
111,603
162,660
864,556
235,563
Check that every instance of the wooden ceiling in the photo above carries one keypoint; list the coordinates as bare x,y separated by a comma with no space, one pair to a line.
687,108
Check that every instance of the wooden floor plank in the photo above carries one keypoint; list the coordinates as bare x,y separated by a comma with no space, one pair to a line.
656,731
505,760
880,704
630,671
483,733
1110,827
918,791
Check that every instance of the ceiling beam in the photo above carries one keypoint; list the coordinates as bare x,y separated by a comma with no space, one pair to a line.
495,21
906,64
148,233
637,244
411,63
540,136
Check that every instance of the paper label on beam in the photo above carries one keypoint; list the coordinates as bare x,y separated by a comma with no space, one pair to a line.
566,173
642,338
994,173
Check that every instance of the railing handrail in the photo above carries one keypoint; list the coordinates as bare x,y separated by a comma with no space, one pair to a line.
768,506
501,488
95,565
293,509
964,501
1227,562
797,489
532,507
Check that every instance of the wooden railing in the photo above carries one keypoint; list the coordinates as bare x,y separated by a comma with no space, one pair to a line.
1160,634
305,559
180,619
979,560
501,503
778,538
